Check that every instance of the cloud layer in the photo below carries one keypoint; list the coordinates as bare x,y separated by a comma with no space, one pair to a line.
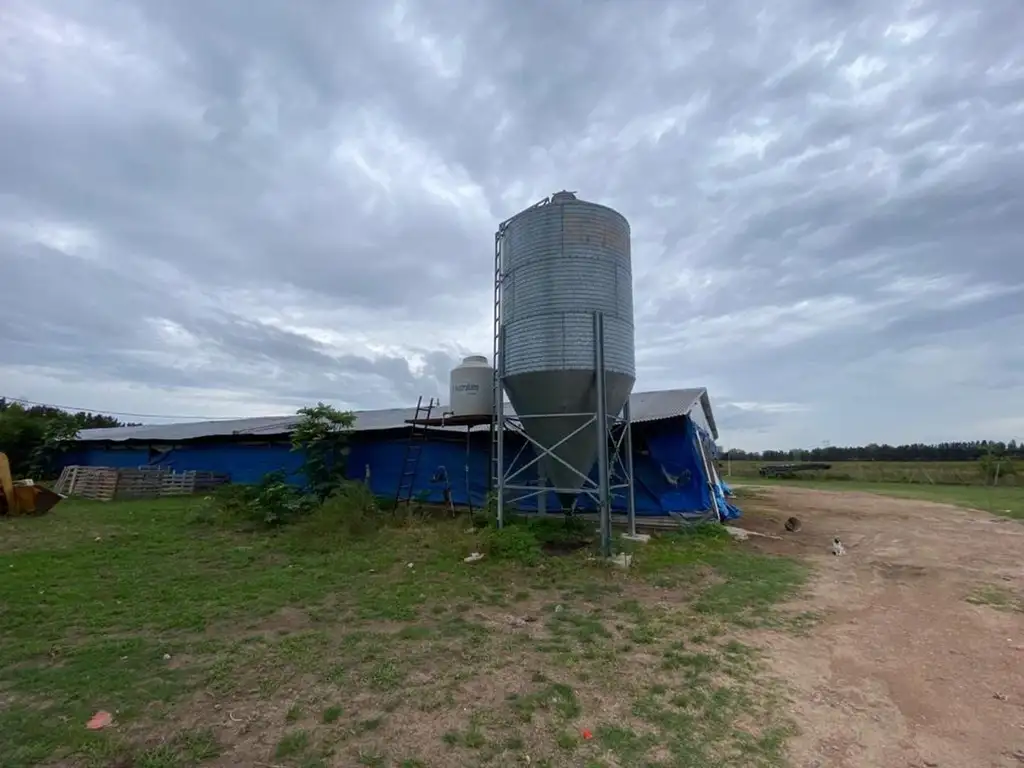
235,209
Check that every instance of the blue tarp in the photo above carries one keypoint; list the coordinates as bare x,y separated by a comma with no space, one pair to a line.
669,473
245,463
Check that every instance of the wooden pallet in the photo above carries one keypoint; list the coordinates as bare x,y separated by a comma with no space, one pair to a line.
99,483
66,479
204,482
107,483
140,483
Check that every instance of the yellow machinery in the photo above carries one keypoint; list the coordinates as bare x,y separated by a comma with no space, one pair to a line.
23,497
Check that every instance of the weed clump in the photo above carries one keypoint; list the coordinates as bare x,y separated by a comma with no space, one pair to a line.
526,540
513,542
270,503
351,510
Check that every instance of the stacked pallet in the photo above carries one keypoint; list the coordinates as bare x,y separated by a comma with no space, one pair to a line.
140,483
107,483
190,482
98,483
204,482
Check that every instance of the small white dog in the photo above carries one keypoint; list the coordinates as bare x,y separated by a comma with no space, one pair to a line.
837,547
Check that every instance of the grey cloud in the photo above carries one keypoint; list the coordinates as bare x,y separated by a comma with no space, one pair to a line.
347,164
733,418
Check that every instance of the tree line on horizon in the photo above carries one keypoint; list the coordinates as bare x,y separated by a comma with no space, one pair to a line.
964,450
32,436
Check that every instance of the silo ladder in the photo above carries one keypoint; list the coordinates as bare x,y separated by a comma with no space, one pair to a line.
413,449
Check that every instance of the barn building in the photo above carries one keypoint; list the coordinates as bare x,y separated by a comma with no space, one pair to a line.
674,455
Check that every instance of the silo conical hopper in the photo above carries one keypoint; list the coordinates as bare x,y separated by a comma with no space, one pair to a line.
562,261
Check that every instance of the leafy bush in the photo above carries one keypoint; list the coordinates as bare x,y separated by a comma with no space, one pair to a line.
513,542
555,530
270,503
351,510
993,466
276,502
386,503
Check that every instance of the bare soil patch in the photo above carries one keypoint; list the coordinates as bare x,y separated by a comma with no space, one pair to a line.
919,658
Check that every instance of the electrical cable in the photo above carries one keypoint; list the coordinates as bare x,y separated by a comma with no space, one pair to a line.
104,412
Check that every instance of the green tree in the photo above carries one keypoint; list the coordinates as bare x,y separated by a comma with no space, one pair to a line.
322,434
58,432
20,434
35,437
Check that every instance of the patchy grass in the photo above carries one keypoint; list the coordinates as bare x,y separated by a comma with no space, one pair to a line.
1005,501
306,648
740,586
1000,598
890,472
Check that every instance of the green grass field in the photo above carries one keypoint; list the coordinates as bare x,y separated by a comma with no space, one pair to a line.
910,472
307,648
1006,501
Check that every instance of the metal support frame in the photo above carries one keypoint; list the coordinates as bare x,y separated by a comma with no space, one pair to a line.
614,439
614,460
711,477
604,498
627,415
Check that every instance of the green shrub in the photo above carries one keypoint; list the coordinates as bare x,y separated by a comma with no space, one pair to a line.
351,510
270,503
386,503
552,530
276,502
513,542
992,467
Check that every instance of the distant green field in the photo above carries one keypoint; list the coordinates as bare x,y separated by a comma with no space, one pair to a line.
916,472
1003,500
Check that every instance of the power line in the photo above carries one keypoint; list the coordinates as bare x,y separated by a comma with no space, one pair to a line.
104,412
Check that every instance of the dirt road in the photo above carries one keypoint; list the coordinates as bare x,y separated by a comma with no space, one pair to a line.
919,660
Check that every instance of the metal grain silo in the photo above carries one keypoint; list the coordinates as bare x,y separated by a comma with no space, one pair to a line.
562,261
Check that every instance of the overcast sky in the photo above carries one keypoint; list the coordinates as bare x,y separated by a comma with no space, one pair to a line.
237,208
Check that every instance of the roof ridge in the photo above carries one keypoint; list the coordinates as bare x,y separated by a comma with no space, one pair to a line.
652,405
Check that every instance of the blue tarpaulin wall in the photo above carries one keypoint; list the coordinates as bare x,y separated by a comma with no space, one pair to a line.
245,463
669,473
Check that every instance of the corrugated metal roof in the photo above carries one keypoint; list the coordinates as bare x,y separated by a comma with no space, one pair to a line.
668,403
646,406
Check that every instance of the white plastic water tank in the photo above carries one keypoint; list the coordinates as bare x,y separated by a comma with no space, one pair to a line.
471,387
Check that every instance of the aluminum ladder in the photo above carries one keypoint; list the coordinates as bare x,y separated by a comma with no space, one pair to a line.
413,450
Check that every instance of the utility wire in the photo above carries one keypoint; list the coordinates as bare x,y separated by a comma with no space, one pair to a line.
104,412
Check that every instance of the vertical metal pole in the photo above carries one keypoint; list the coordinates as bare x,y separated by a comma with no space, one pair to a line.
602,438
712,486
469,453
492,457
499,394
631,485
542,497
498,420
